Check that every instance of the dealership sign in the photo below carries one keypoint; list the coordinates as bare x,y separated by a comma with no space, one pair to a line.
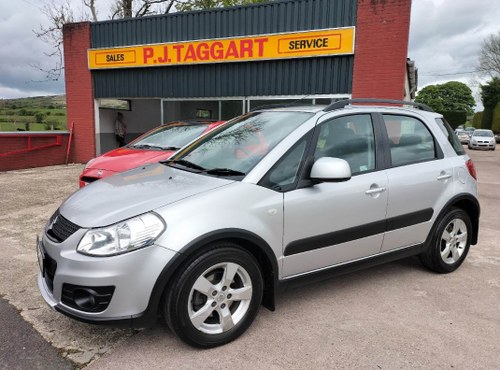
338,41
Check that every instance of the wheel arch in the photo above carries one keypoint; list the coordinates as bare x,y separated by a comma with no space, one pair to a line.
469,204
248,241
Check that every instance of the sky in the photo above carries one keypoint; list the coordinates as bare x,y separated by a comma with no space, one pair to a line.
445,39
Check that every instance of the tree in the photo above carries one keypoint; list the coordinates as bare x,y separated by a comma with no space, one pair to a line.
490,95
489,55
141,8
478,118
208,4
496,119
59,14
39,117
452,96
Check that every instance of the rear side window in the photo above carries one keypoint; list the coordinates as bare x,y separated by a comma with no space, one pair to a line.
410,140
452,138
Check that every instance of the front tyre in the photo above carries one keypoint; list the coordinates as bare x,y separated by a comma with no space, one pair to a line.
216,297
450,242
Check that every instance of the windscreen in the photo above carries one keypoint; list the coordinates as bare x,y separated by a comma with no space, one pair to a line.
170,137
241,143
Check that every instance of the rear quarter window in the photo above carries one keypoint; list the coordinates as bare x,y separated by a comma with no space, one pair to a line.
452,138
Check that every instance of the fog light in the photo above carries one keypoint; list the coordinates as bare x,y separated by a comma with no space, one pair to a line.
84,298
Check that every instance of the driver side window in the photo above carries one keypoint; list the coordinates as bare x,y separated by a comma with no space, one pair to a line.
350,138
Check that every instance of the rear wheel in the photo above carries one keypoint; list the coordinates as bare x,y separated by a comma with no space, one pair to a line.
450,243
216,297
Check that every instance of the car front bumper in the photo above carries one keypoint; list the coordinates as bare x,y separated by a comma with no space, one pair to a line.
90,175
112,290
482,145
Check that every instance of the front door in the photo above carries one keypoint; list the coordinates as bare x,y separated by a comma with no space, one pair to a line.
332,223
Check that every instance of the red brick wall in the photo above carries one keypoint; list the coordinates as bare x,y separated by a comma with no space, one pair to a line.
34,158
79,91
382,32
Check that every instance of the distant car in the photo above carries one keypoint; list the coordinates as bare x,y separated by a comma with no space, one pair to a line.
155,145
463,136
482,139
497,138
469,130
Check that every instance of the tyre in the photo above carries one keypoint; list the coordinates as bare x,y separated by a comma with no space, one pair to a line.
450,242
215,298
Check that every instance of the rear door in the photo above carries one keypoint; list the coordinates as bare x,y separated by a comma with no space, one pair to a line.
420,180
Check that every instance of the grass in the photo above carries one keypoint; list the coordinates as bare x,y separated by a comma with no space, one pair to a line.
39,113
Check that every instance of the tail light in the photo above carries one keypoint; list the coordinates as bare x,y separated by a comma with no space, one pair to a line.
471,168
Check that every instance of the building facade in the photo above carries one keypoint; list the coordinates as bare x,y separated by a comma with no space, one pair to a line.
224,62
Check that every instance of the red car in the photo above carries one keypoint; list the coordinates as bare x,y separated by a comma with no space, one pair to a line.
155,145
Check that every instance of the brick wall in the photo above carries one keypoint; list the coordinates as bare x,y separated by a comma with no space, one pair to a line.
79,91
35,158
382,32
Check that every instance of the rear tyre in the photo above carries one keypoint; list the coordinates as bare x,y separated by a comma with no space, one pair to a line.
215,298
450,242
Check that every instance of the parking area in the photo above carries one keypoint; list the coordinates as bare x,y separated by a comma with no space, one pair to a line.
393,316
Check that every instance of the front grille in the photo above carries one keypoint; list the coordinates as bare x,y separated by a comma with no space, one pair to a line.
49,271
60,228
88,299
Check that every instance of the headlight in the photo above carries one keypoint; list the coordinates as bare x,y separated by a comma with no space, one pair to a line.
122,237
89,163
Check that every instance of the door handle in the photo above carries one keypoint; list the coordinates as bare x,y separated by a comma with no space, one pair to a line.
444,176
372,191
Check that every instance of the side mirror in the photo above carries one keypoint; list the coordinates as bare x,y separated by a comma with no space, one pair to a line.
329,169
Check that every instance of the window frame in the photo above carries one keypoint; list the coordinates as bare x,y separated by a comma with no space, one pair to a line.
264,181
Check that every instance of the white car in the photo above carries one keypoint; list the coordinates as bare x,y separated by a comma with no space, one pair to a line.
482,139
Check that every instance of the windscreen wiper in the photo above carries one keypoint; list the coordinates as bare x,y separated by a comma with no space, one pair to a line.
147,146
170,148
224,172
184,163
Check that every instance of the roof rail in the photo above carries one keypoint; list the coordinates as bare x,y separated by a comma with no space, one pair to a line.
343,103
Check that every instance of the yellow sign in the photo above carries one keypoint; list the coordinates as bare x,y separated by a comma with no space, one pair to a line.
336,41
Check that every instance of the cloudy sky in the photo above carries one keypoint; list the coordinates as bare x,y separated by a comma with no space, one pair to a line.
445,37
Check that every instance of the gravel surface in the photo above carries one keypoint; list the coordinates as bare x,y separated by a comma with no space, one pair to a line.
394,316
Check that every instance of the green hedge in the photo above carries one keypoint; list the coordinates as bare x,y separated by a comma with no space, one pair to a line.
478,118
455,119
496,119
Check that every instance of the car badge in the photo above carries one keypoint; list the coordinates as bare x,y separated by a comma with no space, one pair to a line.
51,226
99,172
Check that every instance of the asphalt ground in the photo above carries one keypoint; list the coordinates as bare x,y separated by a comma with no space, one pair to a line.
22,347
393,316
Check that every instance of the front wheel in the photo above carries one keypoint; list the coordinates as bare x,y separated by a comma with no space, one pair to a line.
450,242
216,297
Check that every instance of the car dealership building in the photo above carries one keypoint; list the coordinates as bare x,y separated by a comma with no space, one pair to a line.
221,63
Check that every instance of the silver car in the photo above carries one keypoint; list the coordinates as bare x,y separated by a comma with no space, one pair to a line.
270,198
482,139
463,136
